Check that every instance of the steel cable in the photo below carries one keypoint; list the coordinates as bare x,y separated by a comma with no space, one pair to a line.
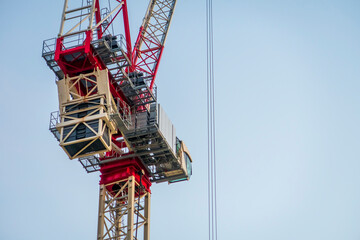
212,191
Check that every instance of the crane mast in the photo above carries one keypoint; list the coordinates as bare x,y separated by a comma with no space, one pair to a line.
109,118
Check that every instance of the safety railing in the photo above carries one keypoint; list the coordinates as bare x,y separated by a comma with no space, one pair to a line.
73,41
49,46
123,112
54,120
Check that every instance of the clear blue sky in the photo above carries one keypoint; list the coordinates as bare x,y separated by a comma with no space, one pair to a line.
287,98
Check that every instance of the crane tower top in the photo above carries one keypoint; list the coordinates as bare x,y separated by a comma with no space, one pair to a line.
108,109
109,118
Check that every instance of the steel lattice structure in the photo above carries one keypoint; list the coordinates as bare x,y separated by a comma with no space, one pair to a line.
152,36
109,118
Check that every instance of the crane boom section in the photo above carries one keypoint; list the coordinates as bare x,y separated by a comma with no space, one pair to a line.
152,36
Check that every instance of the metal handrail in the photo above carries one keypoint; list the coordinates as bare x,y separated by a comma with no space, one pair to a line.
124,111
49,47
54,120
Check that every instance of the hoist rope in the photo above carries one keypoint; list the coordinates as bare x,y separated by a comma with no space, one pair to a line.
212,199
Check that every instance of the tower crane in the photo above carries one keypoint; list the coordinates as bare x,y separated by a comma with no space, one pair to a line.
109,118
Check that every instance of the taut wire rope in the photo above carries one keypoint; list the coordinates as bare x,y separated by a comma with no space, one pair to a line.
212,191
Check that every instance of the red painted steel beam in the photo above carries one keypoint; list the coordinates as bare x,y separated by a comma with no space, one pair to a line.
98,19
127,29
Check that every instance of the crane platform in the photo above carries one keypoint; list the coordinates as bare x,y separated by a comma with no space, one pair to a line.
151,137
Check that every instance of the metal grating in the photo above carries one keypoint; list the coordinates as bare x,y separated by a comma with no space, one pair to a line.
91,163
